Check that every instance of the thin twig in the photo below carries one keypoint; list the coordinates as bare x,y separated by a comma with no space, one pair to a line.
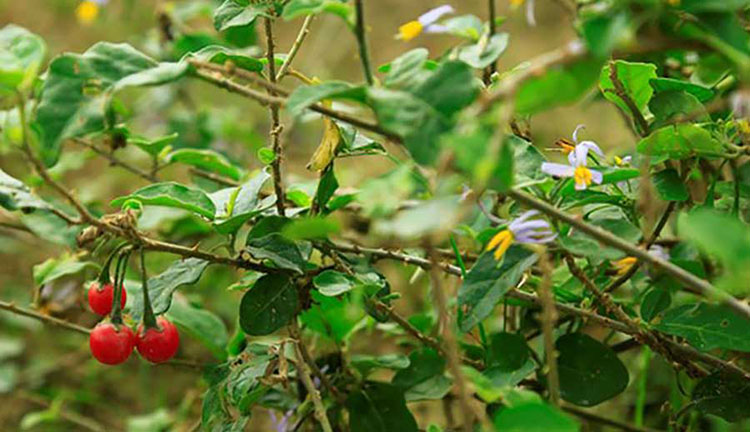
604,420
116,161
276,127
492,68
547,321
11,307
621,92
364,52
303,32
690,281
214,177
304,371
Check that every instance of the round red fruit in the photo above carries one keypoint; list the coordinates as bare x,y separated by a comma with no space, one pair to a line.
158,344
111,344
101,297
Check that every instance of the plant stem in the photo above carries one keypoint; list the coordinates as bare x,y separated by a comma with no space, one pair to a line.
303,32
276,127
547,321
116,161
640,402
149,320
492,68
622,93
304,371
692,282
11,307
364,53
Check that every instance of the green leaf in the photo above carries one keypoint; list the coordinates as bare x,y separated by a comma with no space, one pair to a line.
21,56
161,287
680,141
604,33
609,176
311,228
333,317
635,78
423,379
408,71
202,325
590,372
332,283
78,90
534,417
484,53
670,186
419,221
507,352
55,268
379,407
235,206
326,187
723,395
450,89
236,13
15,195
305,96
702,93
170,194
676,106
713,5
220,55
155,146
488,281
281,251
656,301
561,85
707,326
366,363
207,160
269,305
296,8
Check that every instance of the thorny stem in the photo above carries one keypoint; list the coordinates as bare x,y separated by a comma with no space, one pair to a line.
364,52
303,32
547,320
116,161
11,307
445,323
276,127
692,282
304,371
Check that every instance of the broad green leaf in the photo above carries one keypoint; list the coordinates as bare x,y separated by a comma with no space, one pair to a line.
220,55
269,305
561,85
154,146
419,221
202,325
379,407
423,379
236,13
399,183
207,160
675,106
450,88
484,53
466,26
590,372
78,89
170,194
55,268
610,175
635,78
326,187
604,33
311,228
333,317
534,417
670,186
488,281
656,301
723,395
707,326
702,93
407,71
366,363
278,249
713,5
235,207
332,283
680,141
161,287
305,96
51,227
21,56
581,244
15,195
507,352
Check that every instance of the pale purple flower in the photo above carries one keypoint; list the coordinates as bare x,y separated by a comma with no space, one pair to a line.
585,146
659,252
582,175
427,23
521,230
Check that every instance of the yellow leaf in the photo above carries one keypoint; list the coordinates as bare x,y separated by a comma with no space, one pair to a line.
326,151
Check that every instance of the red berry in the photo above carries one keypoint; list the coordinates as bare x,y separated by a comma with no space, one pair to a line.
100,298
111,344
158,344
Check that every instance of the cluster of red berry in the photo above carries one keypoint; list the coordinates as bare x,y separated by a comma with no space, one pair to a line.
112,344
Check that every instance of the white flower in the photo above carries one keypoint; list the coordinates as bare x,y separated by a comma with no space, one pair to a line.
425,23
582,175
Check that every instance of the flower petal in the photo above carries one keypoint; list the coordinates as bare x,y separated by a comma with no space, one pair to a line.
575,132
578,156
596,177
557,170
432,15
592,146
436,28
524,227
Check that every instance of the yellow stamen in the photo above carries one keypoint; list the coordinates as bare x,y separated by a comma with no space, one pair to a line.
500,242
582,176
87,11
566,145
517,3
410,30
618,161
623,266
